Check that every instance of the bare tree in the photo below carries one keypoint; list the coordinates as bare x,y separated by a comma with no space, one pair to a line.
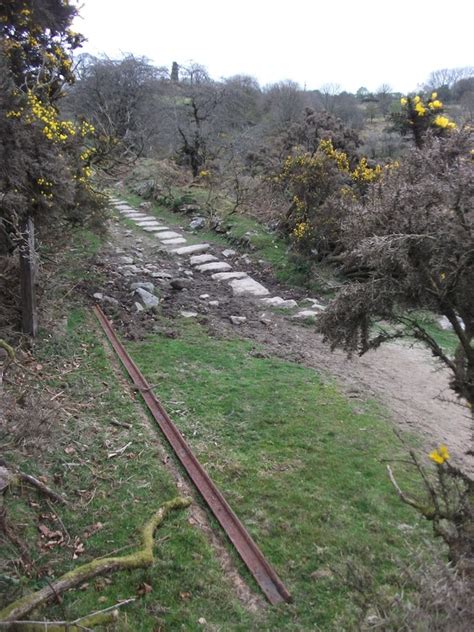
329,92
448,77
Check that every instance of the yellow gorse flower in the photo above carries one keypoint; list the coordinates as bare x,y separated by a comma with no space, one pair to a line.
444,122
301,229
440,455
420,108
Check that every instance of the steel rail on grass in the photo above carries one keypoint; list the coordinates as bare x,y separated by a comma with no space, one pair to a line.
253,558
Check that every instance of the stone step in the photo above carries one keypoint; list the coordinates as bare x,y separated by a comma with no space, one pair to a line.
277,301
199,259
147,224
168,234
155,229
173,242
248,286
226,276
215,266
189,250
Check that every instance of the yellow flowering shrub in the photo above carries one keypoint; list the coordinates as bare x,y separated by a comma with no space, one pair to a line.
418,115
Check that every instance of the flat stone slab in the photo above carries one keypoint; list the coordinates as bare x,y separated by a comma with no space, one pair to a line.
168,234
154,229
123,206
314,303
248,286
277,301
306,313
199,259
173,242
226,276
190,250
215,266
146,222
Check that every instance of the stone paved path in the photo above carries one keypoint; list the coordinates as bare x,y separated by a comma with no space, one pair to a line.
241,283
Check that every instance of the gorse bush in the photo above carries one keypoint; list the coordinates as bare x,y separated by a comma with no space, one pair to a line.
46,162
418,115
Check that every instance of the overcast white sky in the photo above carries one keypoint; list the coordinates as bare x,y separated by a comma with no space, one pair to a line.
353,43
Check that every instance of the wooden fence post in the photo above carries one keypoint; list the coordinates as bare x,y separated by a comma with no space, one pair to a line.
27,279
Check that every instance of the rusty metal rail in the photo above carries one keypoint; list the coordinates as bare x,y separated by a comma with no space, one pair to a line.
253,558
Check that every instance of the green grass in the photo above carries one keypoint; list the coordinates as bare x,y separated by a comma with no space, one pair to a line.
299,465
301,468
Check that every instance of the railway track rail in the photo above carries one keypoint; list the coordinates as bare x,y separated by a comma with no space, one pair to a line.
264,574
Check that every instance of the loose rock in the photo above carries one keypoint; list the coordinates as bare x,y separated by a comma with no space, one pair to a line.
237,320
197,223
146,285
150,301
277,301
180,283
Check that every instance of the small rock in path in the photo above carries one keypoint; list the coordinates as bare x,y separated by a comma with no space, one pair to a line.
237,320
277,301
146,285
149,300
197,223
180,284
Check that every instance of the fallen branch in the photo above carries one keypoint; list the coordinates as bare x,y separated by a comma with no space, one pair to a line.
101,617
10,351
11,477
140,559
406,499
47,491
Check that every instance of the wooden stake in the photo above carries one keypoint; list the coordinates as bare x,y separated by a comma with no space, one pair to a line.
27,279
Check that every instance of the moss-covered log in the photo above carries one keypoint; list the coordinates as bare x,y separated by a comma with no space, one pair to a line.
140,559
